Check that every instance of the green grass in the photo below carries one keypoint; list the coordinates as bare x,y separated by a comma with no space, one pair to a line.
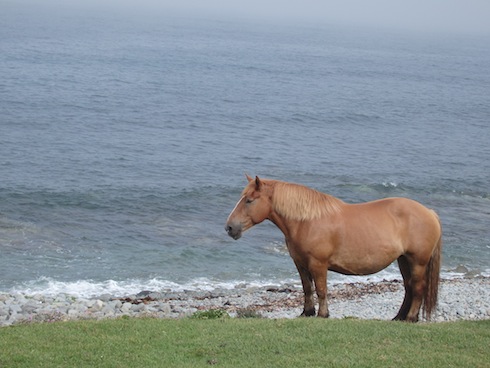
226,342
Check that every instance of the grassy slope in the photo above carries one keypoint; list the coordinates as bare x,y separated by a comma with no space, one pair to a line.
245,343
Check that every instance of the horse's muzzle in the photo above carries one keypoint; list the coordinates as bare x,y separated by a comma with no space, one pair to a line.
234,231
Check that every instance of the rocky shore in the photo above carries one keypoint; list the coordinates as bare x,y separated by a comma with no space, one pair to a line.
460,299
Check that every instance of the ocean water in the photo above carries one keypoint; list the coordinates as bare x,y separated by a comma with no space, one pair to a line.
124,142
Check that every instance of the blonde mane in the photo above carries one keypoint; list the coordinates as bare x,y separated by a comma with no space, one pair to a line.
297,202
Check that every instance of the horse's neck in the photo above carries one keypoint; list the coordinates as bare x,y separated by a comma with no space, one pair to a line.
287,226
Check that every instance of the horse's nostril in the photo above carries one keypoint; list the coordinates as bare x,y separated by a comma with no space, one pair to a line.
235,231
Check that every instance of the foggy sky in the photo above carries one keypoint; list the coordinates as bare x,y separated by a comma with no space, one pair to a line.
437,15
467,16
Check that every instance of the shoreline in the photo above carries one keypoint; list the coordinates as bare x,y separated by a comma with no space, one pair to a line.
459,299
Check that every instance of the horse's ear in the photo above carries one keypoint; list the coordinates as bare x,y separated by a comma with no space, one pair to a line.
258,183
248,178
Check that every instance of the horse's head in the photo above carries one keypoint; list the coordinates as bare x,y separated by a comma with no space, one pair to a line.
253,207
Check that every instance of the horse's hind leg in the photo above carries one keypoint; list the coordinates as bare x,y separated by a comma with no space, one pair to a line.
307,282
407,300
418,285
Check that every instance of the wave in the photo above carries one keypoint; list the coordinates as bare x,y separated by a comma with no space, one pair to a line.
91,289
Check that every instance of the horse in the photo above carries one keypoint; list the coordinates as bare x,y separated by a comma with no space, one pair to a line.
325,233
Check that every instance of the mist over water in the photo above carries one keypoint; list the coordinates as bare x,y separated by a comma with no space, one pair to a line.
124,142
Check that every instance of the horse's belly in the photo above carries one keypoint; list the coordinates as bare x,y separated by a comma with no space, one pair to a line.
356,269
364,262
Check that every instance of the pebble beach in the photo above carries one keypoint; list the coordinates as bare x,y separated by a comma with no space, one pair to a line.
459,299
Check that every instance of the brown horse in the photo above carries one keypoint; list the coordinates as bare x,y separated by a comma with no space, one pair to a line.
324,233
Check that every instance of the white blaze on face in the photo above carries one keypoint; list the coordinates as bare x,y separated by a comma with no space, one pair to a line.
234,209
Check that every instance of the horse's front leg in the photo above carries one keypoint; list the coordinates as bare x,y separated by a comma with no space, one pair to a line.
319,273
307,282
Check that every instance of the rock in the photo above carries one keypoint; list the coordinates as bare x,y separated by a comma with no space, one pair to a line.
30,307
90,303
97,305
48,311
60,309
171,296
105,297
108,311
12,318
115,304
126,307
444,307
19,298
143,294
15,308
4,312
138,307
156,296
61,298
83,302
164,308
73,313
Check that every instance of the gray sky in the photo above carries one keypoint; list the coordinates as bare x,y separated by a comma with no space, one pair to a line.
443,15
466,16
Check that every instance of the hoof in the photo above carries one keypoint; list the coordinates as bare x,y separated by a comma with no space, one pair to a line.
308,313
410,320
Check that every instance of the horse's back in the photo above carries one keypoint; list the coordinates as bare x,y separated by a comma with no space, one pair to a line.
406,221
412,211
418,226
397,207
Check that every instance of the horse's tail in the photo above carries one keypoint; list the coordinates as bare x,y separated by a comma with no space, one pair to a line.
432,278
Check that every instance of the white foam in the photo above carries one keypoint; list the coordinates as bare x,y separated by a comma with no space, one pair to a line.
389,184
90,288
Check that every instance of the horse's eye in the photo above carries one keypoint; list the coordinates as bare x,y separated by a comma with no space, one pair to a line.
249,200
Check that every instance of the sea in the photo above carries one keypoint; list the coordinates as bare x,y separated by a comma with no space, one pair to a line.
125,139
